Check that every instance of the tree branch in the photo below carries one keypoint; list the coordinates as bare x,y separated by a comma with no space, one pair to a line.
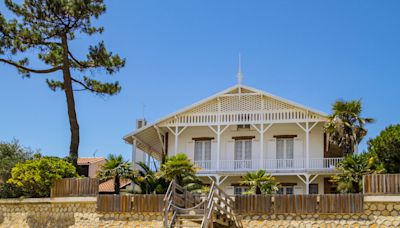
51,70
82,84
79,62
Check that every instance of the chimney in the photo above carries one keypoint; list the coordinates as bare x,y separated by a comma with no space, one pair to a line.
140,123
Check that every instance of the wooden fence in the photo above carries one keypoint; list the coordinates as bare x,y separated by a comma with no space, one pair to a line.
341,203
299,204
382,184
130,203
75,187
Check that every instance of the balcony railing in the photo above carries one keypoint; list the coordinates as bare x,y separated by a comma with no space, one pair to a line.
272,165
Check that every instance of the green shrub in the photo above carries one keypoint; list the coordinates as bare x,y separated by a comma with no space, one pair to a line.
387,146
35,177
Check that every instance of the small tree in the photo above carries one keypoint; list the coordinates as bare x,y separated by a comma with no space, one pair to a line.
48,28
260,182
351,170
11,153
387,147
35,177
116,168
178,168
346,126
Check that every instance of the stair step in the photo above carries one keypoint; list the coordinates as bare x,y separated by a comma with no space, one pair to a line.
194,211
186,226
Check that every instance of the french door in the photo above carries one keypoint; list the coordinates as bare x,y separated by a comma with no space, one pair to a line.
242,154
284,152
202,154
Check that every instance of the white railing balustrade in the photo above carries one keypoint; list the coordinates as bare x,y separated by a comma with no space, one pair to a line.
324,163
284,164
204,165
272,165
238,165
248,117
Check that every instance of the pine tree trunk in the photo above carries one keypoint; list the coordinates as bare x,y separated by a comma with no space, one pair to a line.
258,190
73,121
116,184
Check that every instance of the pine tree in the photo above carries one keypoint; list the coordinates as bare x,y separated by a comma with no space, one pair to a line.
48,28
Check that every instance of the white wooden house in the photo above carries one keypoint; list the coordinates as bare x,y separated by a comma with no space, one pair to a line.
244,129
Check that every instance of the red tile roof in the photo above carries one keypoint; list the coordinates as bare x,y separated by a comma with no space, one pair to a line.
108,186
85,161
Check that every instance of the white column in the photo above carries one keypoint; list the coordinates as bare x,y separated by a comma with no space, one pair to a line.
261,146
307,183
134,152
218,144
307,145
176,140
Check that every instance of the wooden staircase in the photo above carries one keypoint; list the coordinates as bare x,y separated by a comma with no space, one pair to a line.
183,209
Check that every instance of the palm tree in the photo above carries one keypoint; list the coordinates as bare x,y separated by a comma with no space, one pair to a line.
260,182
351,170
345,126
116,168
178,168
148,182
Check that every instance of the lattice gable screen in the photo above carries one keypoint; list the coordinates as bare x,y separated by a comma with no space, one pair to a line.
243,102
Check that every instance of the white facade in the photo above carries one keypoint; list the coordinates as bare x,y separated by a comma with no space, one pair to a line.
243,129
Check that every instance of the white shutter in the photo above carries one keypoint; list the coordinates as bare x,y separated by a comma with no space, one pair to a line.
190,150
298,152
271,148
214,150
230,150
271,153
198,151
256,150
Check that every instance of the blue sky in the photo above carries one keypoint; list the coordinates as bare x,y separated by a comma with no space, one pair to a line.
178,52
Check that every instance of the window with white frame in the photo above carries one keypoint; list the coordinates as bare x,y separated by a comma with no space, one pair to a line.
284,152
285,190
313,189
242,154
202,153
240,190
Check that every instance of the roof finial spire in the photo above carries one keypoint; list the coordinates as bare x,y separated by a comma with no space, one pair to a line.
239,74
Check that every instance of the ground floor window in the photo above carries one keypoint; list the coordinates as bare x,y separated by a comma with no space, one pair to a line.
313,189
240,190
285,190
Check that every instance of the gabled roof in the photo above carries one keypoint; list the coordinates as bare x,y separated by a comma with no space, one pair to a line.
231,90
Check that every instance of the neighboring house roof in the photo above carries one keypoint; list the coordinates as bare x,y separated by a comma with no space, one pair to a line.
152,144
87,161
108,186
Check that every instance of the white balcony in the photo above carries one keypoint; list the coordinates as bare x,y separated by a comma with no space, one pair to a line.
271,165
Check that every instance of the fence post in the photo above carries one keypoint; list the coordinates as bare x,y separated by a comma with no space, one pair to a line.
363,184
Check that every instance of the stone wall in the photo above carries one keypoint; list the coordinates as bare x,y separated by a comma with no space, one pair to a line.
376,214
81,212
69,212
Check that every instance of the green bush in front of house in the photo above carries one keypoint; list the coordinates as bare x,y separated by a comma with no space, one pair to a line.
35,177
351,170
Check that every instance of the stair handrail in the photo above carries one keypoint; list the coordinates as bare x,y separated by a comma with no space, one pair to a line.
214,199
208,210
168,204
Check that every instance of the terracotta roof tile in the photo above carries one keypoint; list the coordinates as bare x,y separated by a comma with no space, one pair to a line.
108,186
